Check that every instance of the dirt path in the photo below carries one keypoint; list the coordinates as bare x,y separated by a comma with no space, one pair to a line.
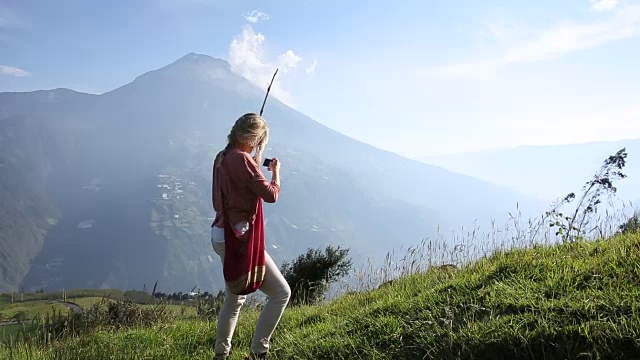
70,305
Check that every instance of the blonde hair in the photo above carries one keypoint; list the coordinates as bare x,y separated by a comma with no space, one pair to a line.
250,129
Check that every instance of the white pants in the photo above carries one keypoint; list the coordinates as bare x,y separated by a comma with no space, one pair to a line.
274,286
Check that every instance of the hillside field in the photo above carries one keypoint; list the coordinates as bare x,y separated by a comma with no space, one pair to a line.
574,300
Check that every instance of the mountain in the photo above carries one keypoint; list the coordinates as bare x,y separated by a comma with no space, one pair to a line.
547,172
113,190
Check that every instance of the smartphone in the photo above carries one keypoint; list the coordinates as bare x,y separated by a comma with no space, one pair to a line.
266,162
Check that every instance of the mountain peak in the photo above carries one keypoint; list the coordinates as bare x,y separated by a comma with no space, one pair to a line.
193,58
190,67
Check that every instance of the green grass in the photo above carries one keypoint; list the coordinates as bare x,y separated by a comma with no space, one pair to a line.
11,330
175,309
570,301
31,309
77,293
180,311
87,302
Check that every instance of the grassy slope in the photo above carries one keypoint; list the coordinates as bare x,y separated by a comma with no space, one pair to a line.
31,309
71,294
36,304
546,302
40,304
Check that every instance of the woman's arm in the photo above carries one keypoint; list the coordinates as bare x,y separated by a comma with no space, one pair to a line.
267,190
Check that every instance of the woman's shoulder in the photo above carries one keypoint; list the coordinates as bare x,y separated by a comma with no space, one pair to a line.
239,158
237,154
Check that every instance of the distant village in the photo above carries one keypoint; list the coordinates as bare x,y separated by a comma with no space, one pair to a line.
171,186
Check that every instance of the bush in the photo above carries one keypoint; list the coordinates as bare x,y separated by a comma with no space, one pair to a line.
108,315
20,317
632,225
310,275
208,307
575,225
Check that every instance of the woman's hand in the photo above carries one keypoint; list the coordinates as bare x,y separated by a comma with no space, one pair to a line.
274,166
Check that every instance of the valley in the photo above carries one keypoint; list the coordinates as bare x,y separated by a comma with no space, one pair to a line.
124,184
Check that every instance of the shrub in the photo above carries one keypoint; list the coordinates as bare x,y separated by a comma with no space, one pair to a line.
208,307
310,275
20,317
632,225
574,225
109,315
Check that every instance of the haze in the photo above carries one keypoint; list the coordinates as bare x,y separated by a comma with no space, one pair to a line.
110,115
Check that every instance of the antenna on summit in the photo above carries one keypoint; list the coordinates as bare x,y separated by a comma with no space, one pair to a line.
268,90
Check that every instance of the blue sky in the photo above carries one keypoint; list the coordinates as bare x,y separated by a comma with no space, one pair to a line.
415,77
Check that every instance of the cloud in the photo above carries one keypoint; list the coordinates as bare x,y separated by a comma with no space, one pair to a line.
288,60
255,16
479,70
311,68
567,38
10,19
554,42
247,58
12,71
603,5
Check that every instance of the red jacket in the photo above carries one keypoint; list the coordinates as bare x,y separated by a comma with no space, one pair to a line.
243,184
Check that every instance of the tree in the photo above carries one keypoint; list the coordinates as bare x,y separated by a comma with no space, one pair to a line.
573,226
310,275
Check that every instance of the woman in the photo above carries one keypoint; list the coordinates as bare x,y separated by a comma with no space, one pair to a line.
238,189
